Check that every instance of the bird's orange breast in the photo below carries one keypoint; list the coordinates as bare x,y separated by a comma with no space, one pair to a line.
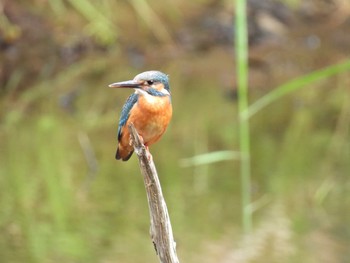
150,116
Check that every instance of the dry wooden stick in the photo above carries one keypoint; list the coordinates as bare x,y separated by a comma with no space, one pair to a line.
161,230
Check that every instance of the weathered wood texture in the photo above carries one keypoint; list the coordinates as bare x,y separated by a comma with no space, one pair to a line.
161,230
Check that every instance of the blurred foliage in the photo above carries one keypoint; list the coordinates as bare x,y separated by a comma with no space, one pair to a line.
64,198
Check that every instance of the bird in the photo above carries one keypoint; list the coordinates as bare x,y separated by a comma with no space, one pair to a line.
149,108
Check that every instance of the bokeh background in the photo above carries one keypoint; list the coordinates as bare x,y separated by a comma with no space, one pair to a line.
63,197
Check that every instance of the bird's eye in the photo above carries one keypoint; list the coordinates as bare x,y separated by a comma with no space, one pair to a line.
150,82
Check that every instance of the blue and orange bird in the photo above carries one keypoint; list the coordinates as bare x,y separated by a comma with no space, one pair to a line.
148,108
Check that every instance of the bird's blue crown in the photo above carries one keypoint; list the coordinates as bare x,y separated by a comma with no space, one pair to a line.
155,76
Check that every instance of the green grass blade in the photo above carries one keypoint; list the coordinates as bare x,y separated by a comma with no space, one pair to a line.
208,158
151,18
100,26
294,85
241,49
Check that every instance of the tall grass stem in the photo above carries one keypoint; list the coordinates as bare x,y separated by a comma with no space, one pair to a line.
241,49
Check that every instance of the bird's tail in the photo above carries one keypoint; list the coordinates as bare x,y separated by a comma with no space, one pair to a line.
124,155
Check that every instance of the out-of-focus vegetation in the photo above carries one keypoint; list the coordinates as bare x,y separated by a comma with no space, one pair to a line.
64,198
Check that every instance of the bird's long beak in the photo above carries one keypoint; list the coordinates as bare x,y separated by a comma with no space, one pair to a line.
127,84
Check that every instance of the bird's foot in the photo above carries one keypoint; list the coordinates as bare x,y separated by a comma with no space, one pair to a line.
149,156
141,140
148,153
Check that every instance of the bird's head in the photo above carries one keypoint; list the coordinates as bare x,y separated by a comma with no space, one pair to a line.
153,82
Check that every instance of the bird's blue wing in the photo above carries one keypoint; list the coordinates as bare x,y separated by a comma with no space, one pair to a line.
130,102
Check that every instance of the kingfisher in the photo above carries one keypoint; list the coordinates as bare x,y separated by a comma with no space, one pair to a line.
148,108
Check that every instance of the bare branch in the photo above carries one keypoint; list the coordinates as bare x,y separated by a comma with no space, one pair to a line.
161,230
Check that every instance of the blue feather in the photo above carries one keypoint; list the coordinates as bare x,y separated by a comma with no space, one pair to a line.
130,102
155,92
